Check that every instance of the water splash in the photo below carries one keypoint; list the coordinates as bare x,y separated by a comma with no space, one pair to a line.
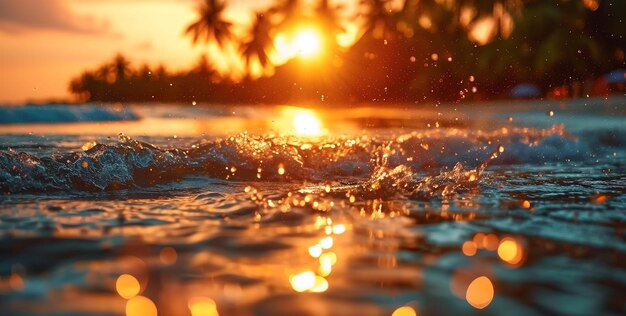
381,165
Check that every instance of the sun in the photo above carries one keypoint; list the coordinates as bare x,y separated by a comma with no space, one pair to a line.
307,43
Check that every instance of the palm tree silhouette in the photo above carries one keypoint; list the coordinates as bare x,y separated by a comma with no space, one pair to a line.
329,20
104,73
288,11
210,24
260,42
121,68
379,22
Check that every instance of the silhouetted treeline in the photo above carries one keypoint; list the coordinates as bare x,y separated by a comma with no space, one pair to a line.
426,50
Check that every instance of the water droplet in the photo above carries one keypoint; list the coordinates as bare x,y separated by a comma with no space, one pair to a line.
281,169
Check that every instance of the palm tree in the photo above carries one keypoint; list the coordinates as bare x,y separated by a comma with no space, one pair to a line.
377,19
202,67
84,87
121,68
104,73
288,11
328,17
211,24
260,42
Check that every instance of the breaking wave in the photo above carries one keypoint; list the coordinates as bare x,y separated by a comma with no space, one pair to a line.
64,113
419,165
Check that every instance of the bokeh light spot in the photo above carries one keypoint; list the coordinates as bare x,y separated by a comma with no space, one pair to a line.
168,256
469,248
404,311
202,306
480,292
510,251
127,286
140,306
302,281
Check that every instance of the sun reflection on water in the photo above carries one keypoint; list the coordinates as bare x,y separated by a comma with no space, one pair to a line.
299,122
302,281
306,123
315,280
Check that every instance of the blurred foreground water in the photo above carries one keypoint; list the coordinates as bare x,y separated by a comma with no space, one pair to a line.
511,208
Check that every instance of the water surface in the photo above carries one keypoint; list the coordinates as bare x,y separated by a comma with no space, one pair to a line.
515,208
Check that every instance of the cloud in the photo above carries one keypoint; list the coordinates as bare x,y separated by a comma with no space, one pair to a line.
16,15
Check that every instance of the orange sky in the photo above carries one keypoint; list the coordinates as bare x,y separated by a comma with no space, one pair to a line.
44,43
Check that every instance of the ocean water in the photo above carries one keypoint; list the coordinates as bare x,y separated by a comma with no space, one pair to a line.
504,208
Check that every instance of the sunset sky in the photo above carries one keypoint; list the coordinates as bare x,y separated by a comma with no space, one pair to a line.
44,43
